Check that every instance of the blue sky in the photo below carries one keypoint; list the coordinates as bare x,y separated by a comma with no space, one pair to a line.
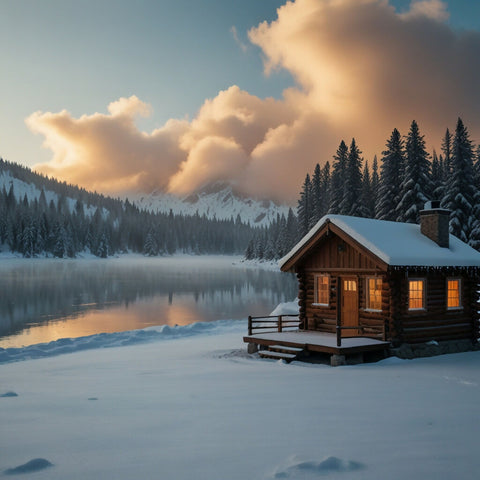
80,56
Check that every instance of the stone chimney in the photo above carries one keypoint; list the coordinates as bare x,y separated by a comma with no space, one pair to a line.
434,223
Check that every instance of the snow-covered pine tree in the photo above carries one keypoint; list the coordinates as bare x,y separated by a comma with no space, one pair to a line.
375,182
292,230
367,199
351,203
437,173
281,247
304,209
103,249
391,172
337,183
249,252
29,238
150,247
447,152
461,193
317,197
476,167
416,187
325,188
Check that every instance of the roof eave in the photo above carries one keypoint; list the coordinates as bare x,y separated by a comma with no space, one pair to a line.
323,229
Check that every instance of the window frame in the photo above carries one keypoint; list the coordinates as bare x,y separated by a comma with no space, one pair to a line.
424,294
460,305
367,300
316,303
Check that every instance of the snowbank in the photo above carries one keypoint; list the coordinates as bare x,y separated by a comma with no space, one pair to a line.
286,308
133,337
119,339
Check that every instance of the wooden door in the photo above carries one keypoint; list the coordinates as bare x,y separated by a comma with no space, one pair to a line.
349,306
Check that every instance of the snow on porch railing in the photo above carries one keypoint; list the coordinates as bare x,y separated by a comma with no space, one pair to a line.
273,323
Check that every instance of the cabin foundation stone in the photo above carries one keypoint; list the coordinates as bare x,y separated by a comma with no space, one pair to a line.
337,360
252,348
431,349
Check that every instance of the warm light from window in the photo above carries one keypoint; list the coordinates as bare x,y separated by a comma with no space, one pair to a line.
453,293
350,285
374,293
416,297
322,289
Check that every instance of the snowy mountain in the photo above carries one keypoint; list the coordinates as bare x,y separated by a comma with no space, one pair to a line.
32,191
217,200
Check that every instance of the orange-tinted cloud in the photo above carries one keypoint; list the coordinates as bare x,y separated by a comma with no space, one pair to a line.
361,69
107,152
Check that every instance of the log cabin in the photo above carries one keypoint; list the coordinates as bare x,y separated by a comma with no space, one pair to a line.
404,283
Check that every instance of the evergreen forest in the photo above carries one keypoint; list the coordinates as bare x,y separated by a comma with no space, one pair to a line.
78,221
394,189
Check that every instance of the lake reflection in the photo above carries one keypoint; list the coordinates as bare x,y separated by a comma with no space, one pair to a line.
47,299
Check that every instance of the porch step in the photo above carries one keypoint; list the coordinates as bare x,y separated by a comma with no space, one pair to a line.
288,357
281,352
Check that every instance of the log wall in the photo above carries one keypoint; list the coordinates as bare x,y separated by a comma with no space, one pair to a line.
324,319
436,322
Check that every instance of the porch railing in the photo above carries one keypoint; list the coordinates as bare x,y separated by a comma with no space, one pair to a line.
273,323
360,329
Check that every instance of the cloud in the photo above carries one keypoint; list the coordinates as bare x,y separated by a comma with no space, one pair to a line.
107,152
434,9
243,46
361,68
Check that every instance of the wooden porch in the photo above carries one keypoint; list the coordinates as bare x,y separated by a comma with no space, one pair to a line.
279,337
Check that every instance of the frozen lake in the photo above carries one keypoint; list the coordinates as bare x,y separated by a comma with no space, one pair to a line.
46,299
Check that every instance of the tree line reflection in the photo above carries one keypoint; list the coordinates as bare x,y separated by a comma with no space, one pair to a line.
38,292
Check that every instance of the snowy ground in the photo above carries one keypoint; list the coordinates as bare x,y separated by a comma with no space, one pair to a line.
188,403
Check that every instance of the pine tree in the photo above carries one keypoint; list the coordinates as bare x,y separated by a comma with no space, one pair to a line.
150,247
292,230
391,172
102,250
461,194
337,183
29,237
304,209
325,189
476,167
250,251
416,187
375,181
351,201
447,152
367,199
437,177
317,197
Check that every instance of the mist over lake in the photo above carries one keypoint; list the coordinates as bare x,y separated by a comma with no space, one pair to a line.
46,299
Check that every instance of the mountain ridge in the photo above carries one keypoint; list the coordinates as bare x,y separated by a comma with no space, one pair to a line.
217,200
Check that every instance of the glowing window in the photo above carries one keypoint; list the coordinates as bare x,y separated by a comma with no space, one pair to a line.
350,285
453,293
322,290
374,293
416,294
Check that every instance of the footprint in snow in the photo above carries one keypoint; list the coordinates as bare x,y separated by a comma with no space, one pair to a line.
312,469
32,466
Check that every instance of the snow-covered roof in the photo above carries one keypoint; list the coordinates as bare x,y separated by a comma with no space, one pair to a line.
397,244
